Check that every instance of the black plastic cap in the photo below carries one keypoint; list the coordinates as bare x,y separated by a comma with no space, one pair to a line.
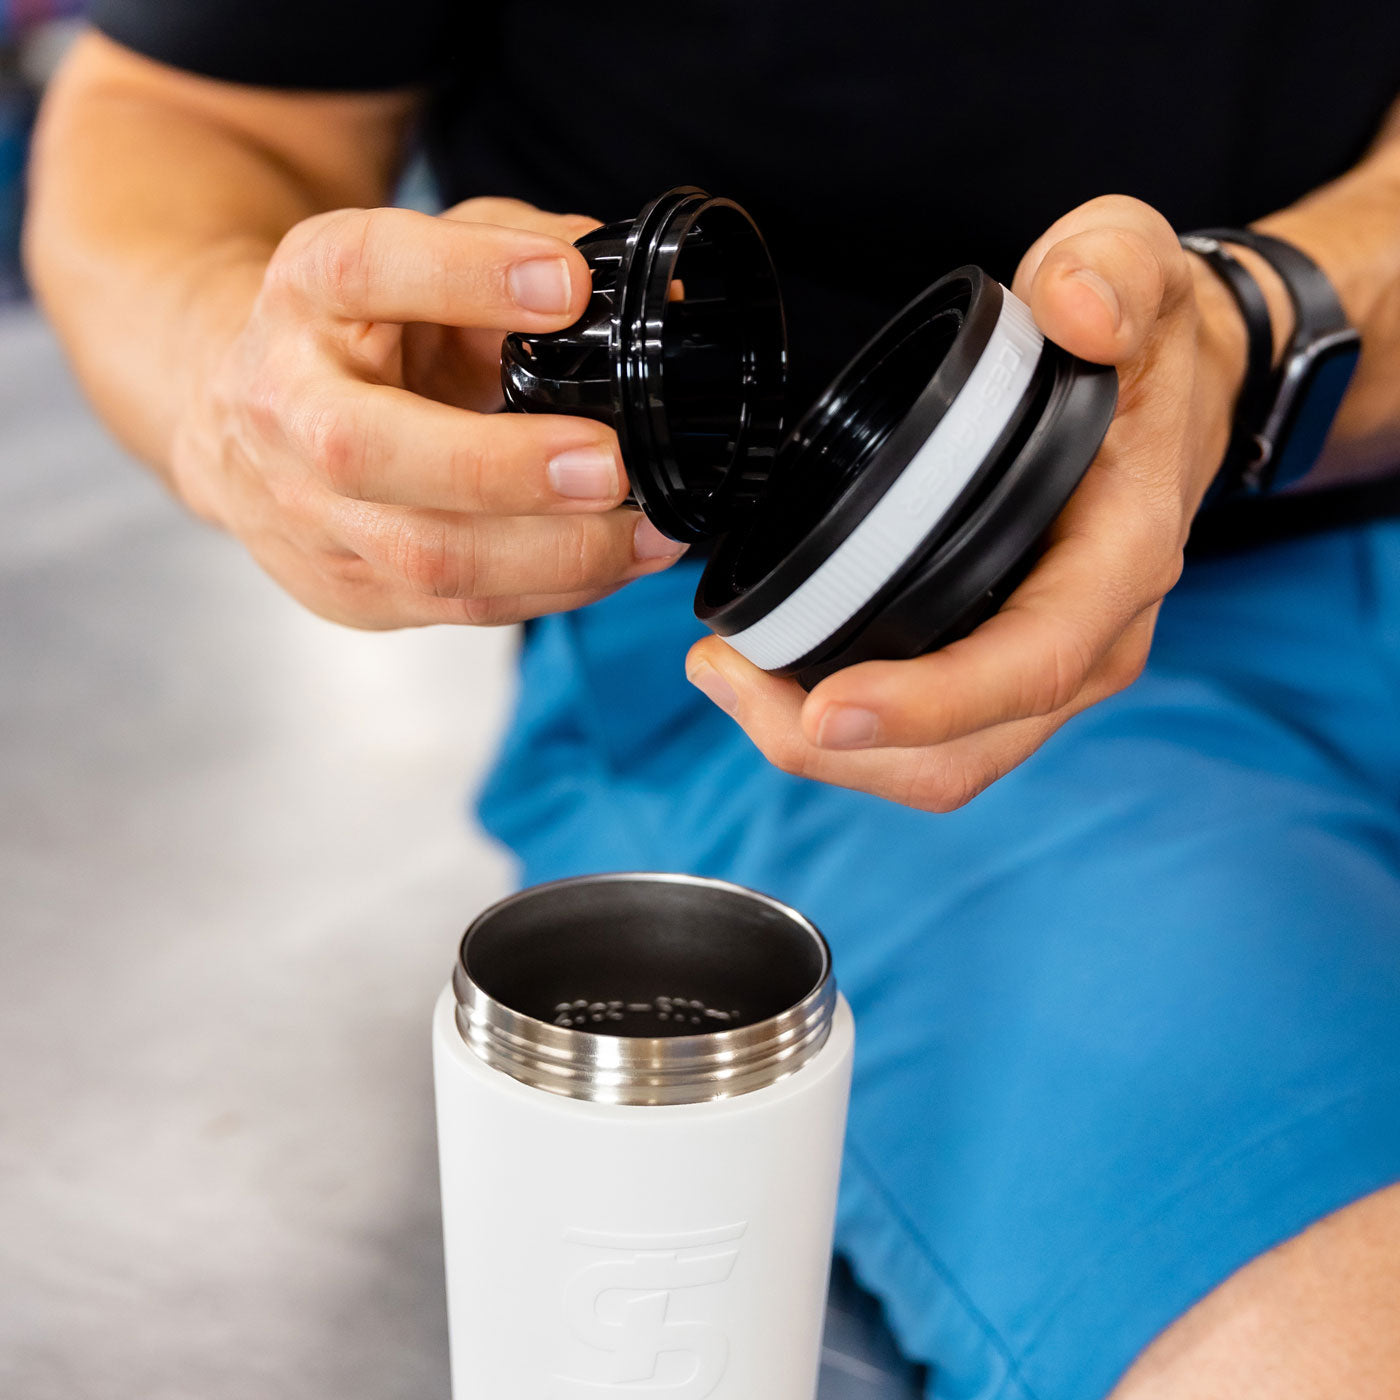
682,350
856,443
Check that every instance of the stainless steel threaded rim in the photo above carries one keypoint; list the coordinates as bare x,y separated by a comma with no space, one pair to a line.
644,1070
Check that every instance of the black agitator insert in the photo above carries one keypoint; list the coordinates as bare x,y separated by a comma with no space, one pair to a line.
896,515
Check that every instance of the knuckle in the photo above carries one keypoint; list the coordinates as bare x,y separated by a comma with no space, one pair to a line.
488,612
478,270
1167,575
790,753
951,798
286,267
335,448
486,278
1151,553
339,261
1137,261
469,466
1123,667
1138,247
1137,216
266,401
348,571
577,562
1052,686
291,267
349,589
940,785
1113,206
437,562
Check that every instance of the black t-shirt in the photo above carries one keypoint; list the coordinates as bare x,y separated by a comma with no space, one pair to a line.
877,144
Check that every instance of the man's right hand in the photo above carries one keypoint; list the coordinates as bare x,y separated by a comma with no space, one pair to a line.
349,436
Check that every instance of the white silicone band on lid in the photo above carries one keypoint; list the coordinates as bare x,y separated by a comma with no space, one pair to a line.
879,546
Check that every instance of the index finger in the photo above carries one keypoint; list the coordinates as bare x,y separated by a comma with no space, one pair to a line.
398,265
376,442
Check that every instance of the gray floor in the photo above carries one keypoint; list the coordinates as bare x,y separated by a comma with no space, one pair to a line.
233,866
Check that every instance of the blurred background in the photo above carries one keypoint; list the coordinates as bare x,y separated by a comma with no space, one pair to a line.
33,36
236,854
235,858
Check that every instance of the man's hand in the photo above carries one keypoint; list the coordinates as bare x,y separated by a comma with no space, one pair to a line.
348,436
1110,283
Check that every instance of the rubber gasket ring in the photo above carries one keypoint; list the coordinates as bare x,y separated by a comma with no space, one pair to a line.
969,567
912,481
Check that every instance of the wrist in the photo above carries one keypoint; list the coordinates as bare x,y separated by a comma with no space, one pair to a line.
1222,357
1247,320
1282,317
1351,240
1224,322
216,296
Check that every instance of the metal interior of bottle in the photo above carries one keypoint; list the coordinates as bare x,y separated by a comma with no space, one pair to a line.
644,989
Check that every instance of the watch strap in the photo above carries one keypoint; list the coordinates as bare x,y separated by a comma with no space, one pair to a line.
1316,304
1256,389
1311,378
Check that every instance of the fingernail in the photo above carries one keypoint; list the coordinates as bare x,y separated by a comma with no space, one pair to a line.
649,543
585,474
713,685
542,285
1104,289
847,727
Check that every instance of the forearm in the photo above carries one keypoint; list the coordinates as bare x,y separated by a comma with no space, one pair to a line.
157,200
1351,229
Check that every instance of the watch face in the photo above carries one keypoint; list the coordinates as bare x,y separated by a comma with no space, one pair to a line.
1322,381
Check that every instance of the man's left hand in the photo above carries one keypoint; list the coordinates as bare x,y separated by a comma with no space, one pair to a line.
1109,283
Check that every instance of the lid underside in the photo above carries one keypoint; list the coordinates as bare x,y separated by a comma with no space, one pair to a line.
682,349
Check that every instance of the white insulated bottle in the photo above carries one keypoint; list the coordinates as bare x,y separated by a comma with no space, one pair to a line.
641,1095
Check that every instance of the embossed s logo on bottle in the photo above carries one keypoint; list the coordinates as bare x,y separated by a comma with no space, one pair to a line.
649,1311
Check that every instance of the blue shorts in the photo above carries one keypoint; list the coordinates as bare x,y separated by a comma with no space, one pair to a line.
1126,1021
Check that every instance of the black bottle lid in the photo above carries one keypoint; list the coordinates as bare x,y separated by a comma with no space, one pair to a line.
682,349
904,506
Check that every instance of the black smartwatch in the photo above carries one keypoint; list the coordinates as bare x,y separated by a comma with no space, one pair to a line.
1279,433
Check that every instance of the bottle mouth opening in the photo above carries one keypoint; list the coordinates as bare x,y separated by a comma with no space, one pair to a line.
644,988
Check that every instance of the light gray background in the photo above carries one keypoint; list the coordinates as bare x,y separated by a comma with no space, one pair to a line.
234,864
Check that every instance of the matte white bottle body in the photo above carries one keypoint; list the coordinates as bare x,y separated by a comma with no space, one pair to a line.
660,1253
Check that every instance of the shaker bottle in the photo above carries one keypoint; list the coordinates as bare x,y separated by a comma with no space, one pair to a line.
641,1092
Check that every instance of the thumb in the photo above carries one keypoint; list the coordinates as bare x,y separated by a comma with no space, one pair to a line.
1100,280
